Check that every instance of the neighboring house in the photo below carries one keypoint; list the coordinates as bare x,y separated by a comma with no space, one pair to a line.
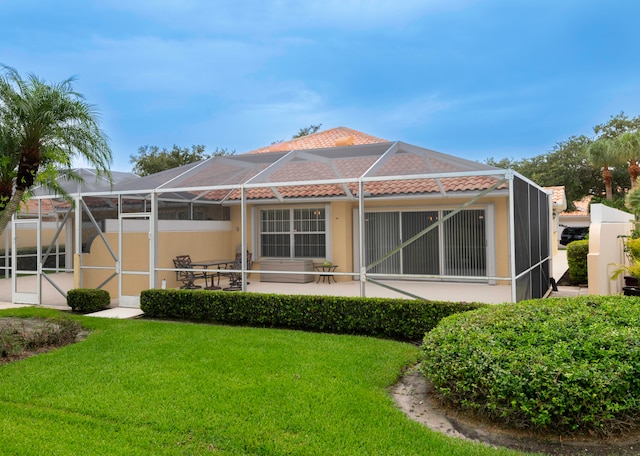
381,210
578,217
559,204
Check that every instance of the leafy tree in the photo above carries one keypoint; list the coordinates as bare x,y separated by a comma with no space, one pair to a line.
307,131
152,159
619,129
566,164
579,162
616,125
43,127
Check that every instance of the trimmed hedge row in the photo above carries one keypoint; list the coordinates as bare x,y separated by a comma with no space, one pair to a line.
577,252
399,319
566,364
88,300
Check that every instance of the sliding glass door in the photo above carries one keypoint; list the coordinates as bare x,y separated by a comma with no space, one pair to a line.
456,247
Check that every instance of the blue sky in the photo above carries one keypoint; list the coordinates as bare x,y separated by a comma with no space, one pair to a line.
472,78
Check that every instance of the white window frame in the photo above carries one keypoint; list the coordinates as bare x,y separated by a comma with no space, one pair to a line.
327,233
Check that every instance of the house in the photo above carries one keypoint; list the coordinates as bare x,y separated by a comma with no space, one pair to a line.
559,206
381,210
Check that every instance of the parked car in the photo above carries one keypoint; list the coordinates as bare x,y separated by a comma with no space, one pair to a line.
573,233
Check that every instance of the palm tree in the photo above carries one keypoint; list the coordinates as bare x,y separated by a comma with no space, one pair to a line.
628,148
602,155
43,127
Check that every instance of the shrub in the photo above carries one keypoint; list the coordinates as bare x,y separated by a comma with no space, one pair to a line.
399,319
87,300
568,364
18,335
577,252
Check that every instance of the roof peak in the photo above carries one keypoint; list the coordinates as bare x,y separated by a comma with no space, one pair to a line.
333,137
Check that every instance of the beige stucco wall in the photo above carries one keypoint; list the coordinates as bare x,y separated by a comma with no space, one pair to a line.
223,243
341,224
27,235
200,245
606,253
606,248
341,213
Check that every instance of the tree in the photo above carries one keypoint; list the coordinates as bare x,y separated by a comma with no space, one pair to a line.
619,129
616,125
307,131
43,127
627,145
566,164
152,159
602,155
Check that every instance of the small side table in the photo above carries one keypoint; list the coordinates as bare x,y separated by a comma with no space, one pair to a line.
323,270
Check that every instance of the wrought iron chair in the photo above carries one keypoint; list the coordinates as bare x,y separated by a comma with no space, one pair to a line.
188,278
235,278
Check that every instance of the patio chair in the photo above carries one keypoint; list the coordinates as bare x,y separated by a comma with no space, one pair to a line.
187,278
235,278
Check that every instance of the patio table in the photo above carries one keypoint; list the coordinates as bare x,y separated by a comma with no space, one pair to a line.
324,269
212,273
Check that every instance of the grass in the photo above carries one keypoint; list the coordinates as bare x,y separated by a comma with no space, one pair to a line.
137,387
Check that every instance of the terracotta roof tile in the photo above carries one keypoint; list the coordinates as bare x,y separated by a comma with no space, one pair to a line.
339,136
558,196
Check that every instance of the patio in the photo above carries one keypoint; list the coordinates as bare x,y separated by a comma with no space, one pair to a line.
444,291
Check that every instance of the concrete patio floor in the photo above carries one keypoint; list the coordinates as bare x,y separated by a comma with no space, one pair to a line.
439,291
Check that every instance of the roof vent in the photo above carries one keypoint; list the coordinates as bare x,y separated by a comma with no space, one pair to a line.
345,141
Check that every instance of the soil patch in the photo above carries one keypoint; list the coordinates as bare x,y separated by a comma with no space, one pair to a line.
414,396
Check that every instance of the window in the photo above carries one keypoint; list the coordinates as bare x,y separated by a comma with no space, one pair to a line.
293,233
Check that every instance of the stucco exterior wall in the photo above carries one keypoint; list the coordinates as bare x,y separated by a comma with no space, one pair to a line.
606,248
214,243
219,240
27,235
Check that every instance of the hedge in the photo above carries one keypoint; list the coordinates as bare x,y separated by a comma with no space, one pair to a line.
564,364
87,300
577,252
399,319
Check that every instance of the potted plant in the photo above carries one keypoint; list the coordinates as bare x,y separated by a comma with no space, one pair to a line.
632,269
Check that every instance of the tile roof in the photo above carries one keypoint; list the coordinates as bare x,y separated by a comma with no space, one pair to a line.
353,162
334,137
582,208
341,154
558,197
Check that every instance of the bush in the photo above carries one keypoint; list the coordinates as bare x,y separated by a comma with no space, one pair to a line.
87,300
399,319
567,364
577,252
19,335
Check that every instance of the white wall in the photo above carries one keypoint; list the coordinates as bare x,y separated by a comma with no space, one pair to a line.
606,248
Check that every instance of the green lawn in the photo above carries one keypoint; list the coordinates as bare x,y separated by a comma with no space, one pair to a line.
151,387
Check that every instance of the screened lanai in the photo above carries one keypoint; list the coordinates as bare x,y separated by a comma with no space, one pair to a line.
386,214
